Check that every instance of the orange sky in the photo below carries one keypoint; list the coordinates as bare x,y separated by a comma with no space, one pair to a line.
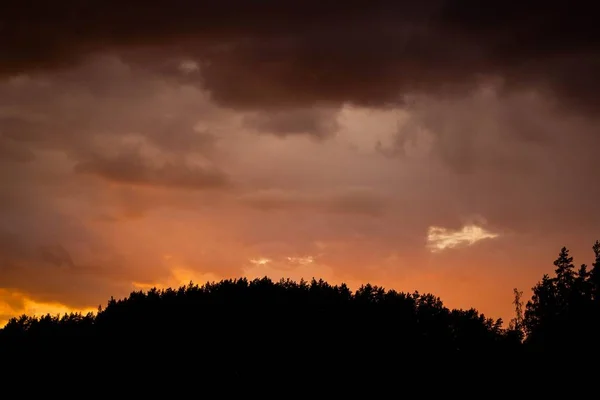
146,210
367,152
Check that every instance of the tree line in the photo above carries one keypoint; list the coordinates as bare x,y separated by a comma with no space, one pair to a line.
284,325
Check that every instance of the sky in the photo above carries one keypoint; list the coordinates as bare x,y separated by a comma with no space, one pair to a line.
441,146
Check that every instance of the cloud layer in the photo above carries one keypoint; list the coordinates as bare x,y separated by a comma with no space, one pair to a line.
270,53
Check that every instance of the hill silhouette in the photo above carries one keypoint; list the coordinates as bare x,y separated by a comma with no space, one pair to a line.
238,329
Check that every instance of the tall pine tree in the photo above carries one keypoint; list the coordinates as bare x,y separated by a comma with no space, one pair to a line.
595,273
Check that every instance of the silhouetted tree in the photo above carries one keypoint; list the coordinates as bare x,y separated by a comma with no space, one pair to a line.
268,317
515,327
595,273
239,329
561,310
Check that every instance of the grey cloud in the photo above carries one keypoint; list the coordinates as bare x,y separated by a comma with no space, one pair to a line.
492,131
102,99
509,157
352,201
56,255
317,122
131,168
11,251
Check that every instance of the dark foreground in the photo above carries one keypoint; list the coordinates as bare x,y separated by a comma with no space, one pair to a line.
235,334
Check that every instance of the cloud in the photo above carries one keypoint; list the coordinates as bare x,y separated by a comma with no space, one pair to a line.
236,108
353,201
439,238
104,101
56,255
259,261
295,268
46,273
317,122
299,52
11,151
487,130
131,168
301,260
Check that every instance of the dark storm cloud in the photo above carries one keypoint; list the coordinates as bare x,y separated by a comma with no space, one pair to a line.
299,52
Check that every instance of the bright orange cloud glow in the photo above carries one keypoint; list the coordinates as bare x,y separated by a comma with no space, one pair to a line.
13,304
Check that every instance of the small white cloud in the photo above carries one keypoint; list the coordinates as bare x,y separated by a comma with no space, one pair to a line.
439,238
301,260
260,261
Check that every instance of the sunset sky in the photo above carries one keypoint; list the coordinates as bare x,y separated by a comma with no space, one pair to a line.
445,146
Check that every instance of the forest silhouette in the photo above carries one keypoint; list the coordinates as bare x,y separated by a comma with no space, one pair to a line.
240,328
